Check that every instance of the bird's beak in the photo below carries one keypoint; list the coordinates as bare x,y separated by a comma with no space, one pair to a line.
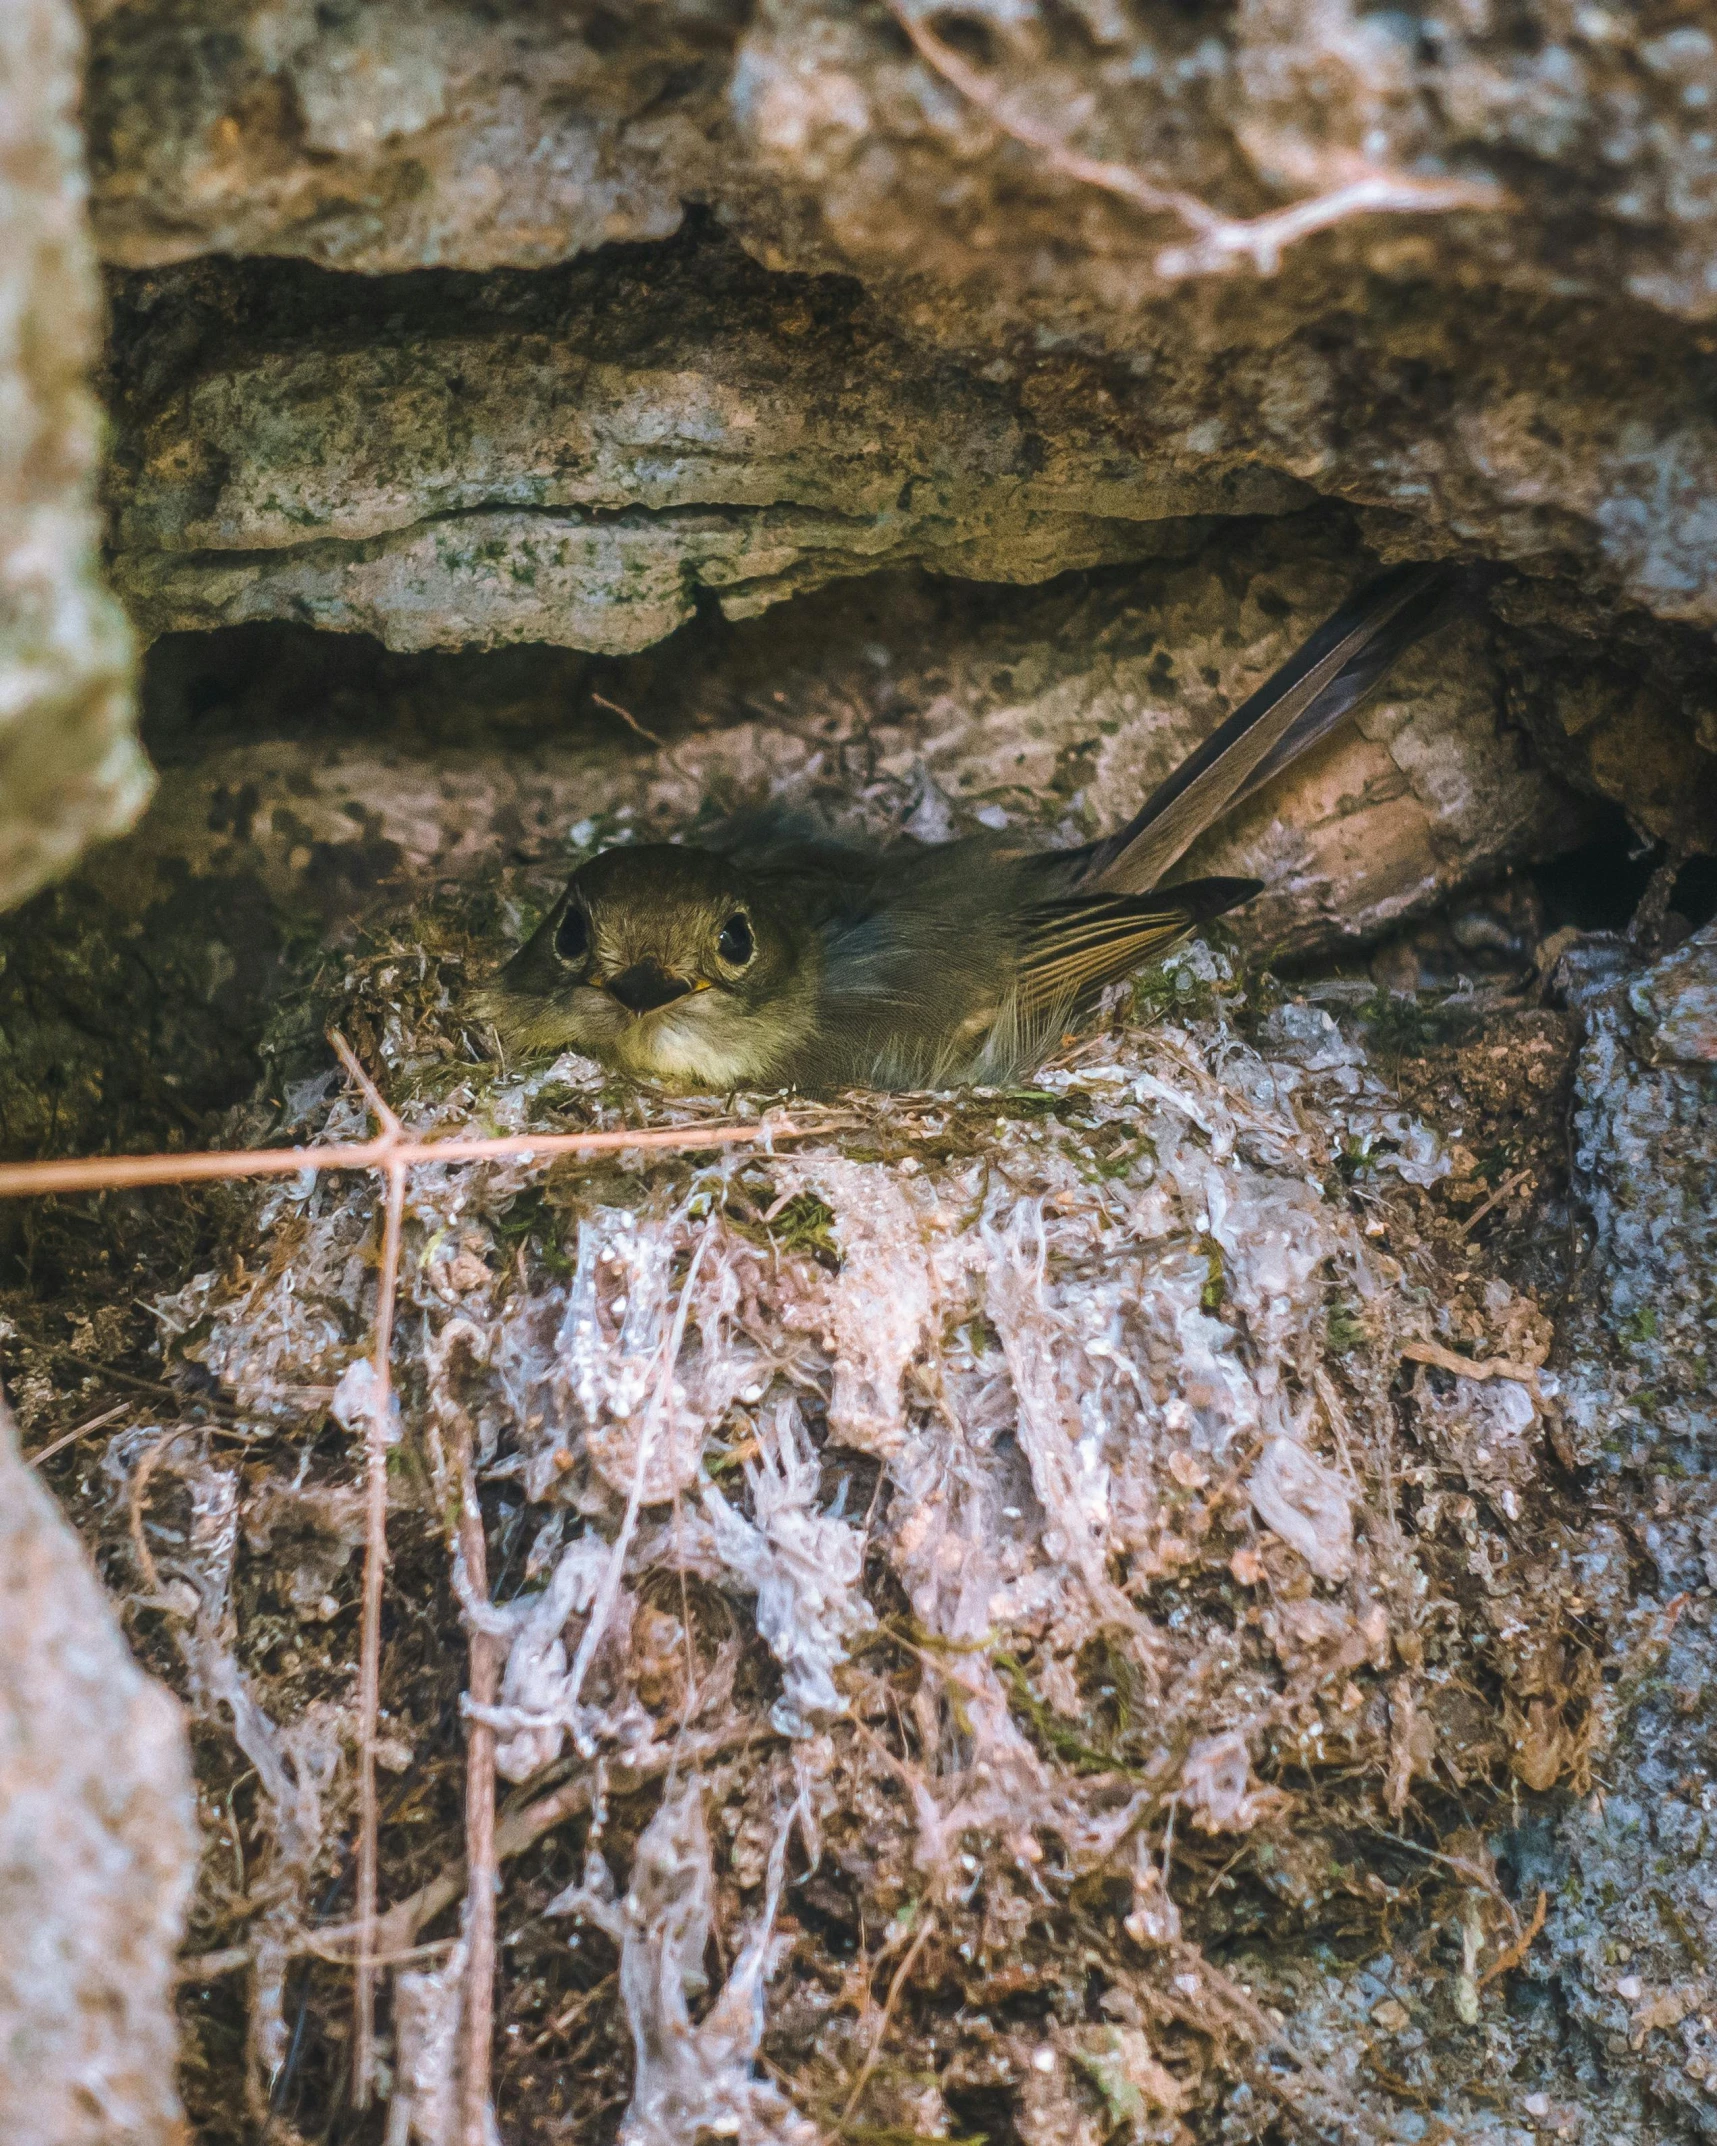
645,986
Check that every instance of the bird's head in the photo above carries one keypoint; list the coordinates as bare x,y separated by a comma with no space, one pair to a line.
663,962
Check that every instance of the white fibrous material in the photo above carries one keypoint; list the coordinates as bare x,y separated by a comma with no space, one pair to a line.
1377,1136
581,1368
1306,1504
877,1319
1491,1429
537,1701
1056,1408
1074,1343
424,2110
805,1568
694,2081
357,1401
1216,1782
321,1525
294,1762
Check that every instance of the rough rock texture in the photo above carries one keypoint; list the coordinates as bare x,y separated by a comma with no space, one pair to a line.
1044,364
98,1845
381,137
1635,1925
575,458
399,134
70,769
1645,1128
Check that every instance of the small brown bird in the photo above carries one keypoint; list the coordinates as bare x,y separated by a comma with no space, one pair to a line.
780,962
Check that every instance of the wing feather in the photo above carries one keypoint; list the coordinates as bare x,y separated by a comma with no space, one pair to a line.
1073,948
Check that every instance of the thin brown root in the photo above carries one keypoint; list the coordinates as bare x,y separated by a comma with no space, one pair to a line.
481,1862
375,1562
1217,240
897,1982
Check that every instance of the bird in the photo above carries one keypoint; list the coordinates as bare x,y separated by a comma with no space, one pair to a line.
773,959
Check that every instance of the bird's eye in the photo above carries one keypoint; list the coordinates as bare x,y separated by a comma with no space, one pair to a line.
572,935
736,945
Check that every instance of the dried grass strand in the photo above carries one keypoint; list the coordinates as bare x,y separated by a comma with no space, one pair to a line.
375,1563
1218,240
630,720
1469,1367
81,1430
661,1399
897,1982
115,1173
522,1827
140,1549
481,1864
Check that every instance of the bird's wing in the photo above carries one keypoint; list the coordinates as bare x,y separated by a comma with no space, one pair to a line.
1072,948
1322,682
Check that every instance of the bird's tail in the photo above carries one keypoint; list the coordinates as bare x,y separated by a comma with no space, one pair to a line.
1322,682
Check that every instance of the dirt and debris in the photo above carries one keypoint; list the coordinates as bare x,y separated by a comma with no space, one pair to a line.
1009,1608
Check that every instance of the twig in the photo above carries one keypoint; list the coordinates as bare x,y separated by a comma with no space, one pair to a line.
210,1966
110,1173
1218,240
1515,1955
897,1983
1514,1178
520,1829
574,2011
134,1512
1468,1367
1462,1868
71,1437
630,720
480,1860
158,1388
375,1562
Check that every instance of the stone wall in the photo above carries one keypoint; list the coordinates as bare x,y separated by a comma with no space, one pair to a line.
1023,302
70,770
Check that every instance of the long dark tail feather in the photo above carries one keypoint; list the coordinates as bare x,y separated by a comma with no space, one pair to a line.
1319,685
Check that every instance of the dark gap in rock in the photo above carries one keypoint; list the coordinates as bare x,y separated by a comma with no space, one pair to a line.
1694,894
1598,886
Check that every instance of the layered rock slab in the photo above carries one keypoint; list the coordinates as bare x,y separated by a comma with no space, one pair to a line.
98,1845
580,458
70,769
587,455
393,136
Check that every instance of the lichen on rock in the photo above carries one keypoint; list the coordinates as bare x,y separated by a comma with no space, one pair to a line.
98,1842
1645,1128
70,768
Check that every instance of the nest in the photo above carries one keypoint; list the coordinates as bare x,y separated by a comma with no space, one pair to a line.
962,1602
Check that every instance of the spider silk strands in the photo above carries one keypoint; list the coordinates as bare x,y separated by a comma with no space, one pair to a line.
393,1155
